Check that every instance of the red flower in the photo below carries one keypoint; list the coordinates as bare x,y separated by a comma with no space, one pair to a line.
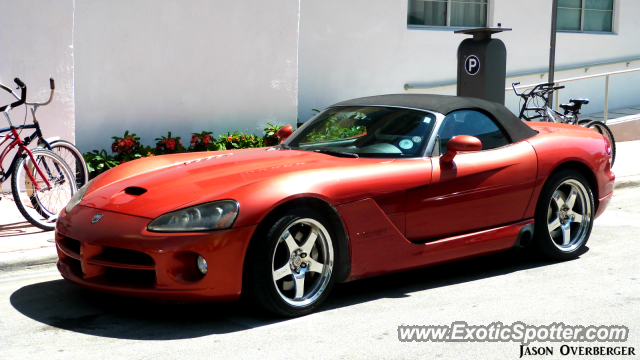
206,139
230,138
121,143
181,143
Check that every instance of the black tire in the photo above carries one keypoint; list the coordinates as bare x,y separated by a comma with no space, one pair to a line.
72,156
546,218
36,205
262,287
605,131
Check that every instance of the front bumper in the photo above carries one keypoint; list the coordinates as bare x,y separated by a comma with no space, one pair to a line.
118,255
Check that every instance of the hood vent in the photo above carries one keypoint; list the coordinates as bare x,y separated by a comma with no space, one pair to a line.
134,190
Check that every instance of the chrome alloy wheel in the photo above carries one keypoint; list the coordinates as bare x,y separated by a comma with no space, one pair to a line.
302,262
569,215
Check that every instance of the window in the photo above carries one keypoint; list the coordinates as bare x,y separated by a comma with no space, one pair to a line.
448,13
474,123
585,15
368,131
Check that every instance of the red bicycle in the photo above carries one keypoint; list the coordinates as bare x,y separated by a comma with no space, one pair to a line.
41,182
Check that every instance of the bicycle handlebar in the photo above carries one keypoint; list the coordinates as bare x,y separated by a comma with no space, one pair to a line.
52,85
21,100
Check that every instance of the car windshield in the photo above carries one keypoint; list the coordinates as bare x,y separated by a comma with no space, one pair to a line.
367,131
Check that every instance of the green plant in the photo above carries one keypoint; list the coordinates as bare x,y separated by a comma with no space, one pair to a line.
169,145
203,142
338,128
239,141
270,138
126,147
147,151
99,162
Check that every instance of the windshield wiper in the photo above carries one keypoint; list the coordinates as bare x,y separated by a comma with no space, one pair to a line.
337,153
285,146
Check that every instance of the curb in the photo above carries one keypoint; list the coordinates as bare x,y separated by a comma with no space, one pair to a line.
18,260
627,182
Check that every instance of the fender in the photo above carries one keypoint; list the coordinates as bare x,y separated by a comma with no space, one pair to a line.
46,143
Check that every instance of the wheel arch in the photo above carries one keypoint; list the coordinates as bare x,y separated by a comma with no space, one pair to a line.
342,266
585,171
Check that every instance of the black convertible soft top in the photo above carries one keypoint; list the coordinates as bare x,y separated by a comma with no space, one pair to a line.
444,104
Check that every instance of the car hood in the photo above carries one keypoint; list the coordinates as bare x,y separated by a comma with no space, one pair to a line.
153,186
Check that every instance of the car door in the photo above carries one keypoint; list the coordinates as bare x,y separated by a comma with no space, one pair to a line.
477,190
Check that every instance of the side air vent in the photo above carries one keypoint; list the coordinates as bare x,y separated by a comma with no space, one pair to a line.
134,190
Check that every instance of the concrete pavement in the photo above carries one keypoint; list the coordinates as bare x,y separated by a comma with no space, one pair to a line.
43,316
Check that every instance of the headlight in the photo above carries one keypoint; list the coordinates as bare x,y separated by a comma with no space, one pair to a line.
210,216
77,197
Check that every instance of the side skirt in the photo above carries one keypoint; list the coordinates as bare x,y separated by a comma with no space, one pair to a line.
377,247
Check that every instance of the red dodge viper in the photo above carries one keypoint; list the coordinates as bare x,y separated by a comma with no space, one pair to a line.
367,187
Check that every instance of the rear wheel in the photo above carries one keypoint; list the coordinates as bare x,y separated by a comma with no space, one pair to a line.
564,215
42,206
604,130
291,269
73,157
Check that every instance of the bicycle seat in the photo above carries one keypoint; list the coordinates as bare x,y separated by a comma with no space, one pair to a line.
574,105
580,101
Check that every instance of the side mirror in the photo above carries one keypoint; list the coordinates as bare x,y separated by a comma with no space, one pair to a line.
284,133
460,143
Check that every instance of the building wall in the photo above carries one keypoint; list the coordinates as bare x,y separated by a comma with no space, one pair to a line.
153,66
364,47
36,43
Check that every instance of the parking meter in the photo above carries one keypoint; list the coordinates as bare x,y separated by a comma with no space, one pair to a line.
482,65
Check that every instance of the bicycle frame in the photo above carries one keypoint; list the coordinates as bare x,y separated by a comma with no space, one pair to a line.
544,112
21,147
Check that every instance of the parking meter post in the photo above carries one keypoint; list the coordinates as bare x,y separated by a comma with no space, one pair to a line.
552,46
482,65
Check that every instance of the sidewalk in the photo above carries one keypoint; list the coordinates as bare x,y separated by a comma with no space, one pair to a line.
624,123
23,245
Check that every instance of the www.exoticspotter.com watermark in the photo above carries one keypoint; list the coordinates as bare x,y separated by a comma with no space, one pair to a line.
519,332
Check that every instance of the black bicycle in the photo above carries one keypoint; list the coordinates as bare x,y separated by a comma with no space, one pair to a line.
66,150
41,181
539,95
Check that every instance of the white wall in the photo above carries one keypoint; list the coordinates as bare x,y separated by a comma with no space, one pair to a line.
36,43
152,66
364,47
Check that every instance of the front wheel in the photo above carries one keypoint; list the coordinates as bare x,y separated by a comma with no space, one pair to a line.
291,269
41,204
564,215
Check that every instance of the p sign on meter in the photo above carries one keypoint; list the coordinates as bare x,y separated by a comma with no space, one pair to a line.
472,65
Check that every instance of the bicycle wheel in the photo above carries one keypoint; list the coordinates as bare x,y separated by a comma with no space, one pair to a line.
604,130
73,157
42,206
